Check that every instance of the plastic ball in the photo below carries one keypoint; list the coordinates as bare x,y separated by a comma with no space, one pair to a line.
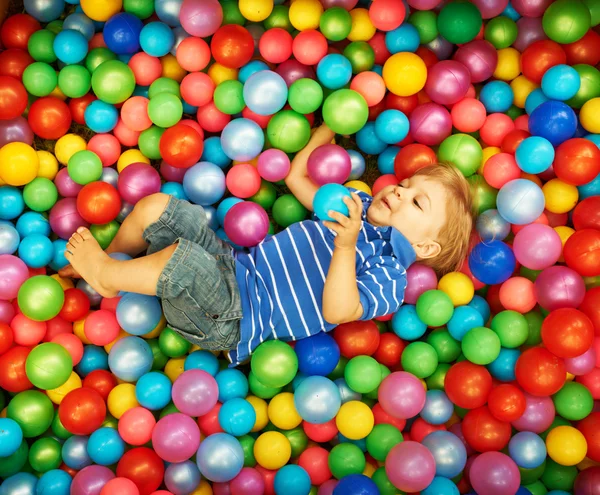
404,74
554,121
546,378
494,473
566,445
130,358
70,46
410,466
274,363
527,195
220,457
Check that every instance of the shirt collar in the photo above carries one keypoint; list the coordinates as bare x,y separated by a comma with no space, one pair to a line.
403,250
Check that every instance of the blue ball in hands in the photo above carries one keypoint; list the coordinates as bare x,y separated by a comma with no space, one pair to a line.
331,197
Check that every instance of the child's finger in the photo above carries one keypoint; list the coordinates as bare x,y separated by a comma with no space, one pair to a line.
332,226
351,204
338,217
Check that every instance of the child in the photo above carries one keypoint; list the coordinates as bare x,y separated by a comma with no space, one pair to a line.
309,278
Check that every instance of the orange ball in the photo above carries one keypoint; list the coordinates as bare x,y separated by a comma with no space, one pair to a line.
500,169
495,128
197,89
134,113
193,54
370,85
468,115
146,69
518,294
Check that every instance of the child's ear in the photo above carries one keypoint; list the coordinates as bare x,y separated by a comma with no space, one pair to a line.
427,249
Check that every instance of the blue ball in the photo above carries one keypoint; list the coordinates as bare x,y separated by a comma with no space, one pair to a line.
20,483
220,457
202,360
520,201
213,152
403,39
438,408
156,39
406,324
59,261
242,139
441,486
168,12
482,306
464,319
265,92
503,367
292,480
594,138
318,354
491,226
251,68
204,183
298,379
130,358
561,82
334,71
36,250
378,69
368,141
32,222
44,11
74,452
534,155
54,482
189,109
554,120
153,390
9,238
225,206
94,358
448,451
492,262
330,197
527,449
141,91
100,116
211,217
237,417
105,446
110,176
356,484
317,399
592,188
11,437
511,13
534,100
80,22
346,393
11,202
70,46
385,160
174,189
361,443
357,165
496,96
122,33
182,477
232,383
138,314
391,126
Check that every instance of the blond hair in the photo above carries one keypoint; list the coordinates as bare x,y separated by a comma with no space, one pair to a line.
455,234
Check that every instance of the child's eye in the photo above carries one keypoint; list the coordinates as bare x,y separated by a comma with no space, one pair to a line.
417,204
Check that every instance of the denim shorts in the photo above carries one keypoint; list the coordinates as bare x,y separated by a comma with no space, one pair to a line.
198,287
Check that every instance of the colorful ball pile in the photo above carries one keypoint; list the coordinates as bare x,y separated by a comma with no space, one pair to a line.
486,381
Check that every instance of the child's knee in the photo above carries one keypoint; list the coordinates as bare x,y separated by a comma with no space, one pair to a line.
150,208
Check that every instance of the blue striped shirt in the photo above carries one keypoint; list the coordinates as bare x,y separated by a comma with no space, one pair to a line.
281,280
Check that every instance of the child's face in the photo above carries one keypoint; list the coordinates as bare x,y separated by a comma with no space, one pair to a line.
417,208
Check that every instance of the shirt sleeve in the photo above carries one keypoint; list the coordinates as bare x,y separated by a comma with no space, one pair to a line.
381,283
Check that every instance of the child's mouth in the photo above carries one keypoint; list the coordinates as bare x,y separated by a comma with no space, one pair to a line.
385,202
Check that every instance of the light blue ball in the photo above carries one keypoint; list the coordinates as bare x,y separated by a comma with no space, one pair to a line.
36,250
592,188
54,482
130,358
368,141
391,126
19,484
491,226
448,451
237,417
561,82
220,457
138,314
503,367
9,239
80,22
70,46
265,92
496,96
556,492
346,393
511,13
94,358
298,379
357,165
100,116
361,443
105,446
331,197
317,399
225,206
11,436
232,383
438,408
378,69
534,155
441,486
403,39
44,10
204,183
141,91
534,100
168,11
251,68
110,176
594,138
406,324
334,71
527,449
482,306
464,319
179,34
124,57
59,247
189,109
153,390
202,360
292,480
174,189
182,478
520,201
90,292
74,452
156,39
11,202
213,152
242,139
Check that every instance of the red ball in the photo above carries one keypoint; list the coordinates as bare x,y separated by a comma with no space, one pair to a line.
268,477
57,326
484,432
309,47
591,381
500,169
591,307
193,54
512,140
315,461
13,98
49,117
584,50
102,381
582,252
82,411
406,104
387,15
412,158
76,305
13,377
211,118
468,385
197,89
493,299
590,429
209,423
6,338
468,115
357,338
320,433
538,57
77,107
98,202
430,59
421,428
381,416
495,128
275,45
539,372
567,332
232,46
379,47
243,180
142,466
507,402
586,214
384,181
181,146
390,349
146,69
17,29
577,161
13,62
101,327
261,120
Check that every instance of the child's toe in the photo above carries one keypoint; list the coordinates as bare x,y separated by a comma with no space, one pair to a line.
84,233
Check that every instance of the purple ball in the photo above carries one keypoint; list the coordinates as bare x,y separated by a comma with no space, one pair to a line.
328,487
65,219
273,165
176,437
581,365
195,392
447,82
246,224
441,47
291,70
480,57
559,287
328,164
248,482
90,480
588,482
531,8
345,4
7,312
201,18
490,8
137,181
410,466
494,473
401,395
530,31
538,416
15,130
419,279
13,272
430,124
170,173
66,186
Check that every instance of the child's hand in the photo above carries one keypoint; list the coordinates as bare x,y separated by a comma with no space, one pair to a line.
347,227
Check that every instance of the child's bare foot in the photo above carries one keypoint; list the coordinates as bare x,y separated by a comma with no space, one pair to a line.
68,272
88,260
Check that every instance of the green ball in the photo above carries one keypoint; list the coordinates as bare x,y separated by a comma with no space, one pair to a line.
363,374
298,440
534,324
383,483
335,24
229,98
345,459
436,381
165,110
345,111
594,8
459,22
33,410
41,298
481,345
374,394
74,81
279,18
305,95
425,21
58,430
48,366
149,142
501,32
361,56
566,21
446,348
84,167
55,26
113,81
590,85
40,46
105,233
573,401
463,151
45,454
434,308
40,194
164,85
536,488
511,327
40,79
514,111
247,443
97,56
168,409
558,477
274,363
110,422
159,359
529,274
420,359
529,476
172,344
266,195
288,131
261,390
231,13
484,195
381,440
15,462
288,210
340,368
139,8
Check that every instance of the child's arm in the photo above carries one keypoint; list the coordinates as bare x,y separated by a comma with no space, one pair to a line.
298,181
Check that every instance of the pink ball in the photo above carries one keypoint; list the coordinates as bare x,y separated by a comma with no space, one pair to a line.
7,312
559,287
490,8
424,4
107,147
291,70
13,272
201,18
480,58
537,246
345,4
122,486
494,473
582,365
101,327
273,165
65,219
27,332
401,395
447,82
410,466
195,392
170,173
137,181
430,124
328,487
134,113
419,279
538,416
518,294
328,164
531,8
66,186
136,425
248,482
125,135
176,437
243,180
500,169
90,480
246,224
522,122
530,31
72,344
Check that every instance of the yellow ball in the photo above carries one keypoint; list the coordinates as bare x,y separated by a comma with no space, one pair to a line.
305,14
101,11
560,197
57,93
122,334
369,470
174,368
564,233
566,445
67,146
256,10
458,287
3,413
156,332
121,399
355,420
589,116
78,330
219,73
203,488
404,74
362,27
171,68
488,152
360,185
272,450
19,164
65,283
509,64
131,156
282,411
56,395
261,410
48,165
532,177
521,87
